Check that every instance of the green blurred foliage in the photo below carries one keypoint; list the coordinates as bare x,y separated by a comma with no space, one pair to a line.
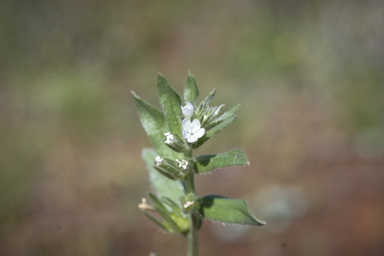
307,73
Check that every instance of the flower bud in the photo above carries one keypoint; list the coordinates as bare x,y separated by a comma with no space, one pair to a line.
187,110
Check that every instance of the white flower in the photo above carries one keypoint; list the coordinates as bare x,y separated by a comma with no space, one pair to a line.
183,163
158,160
187,110
192,130
188,204
145,206
170,138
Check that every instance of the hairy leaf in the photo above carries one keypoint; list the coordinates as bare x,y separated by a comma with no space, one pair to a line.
228,210
157,222
214,130
154,124
191,91
226,115
167,218
207,163
175,208
171,103
208,99
165,172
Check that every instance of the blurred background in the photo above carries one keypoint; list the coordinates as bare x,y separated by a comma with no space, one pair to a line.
309,76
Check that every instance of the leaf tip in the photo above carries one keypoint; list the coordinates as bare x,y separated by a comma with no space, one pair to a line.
134,95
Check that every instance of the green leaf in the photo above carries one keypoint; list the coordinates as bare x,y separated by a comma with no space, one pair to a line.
171,213
191,91
208,99
226,115
171,103
207,163
228,210
229,113
164,186
214,130
164,212
157,222
175,208
168,219
156,201
154,124
165,172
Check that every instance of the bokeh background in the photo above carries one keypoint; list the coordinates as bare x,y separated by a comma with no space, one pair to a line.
309,76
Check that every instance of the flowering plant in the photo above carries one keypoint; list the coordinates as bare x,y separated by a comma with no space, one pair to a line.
171,166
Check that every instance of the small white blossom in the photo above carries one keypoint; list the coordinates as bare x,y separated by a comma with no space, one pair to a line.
158,160
183,163
188,204
192,130
170,138
187,110
145,206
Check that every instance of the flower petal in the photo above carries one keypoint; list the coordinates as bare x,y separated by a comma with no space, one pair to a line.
192,138
186,123
195,126
186,133
200,133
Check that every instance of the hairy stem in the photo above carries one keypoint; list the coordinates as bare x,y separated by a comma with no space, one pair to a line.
192,247
192,237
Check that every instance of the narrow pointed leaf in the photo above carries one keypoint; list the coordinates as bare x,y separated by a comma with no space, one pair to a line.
164,172
191,91
207,163
226,115
208,99
154,124
163,186
171,213
166,215
214,130
218,109
229,113
157,222
171,103
171,204
156,201
228,210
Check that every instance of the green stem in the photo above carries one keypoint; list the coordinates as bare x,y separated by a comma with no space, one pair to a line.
192,247
192,237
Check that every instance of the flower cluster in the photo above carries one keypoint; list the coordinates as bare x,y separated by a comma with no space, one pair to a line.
192,131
